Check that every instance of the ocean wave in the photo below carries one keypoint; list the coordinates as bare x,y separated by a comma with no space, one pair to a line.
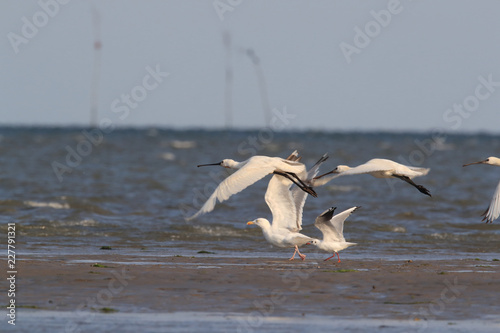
343,188
54,205
209,231
217,231
81,223
389,228
183,144
464,237
168,156
63,228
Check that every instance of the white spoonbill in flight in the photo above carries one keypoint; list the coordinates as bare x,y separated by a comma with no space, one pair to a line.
286,207
332,228
379,168
493,210
249,172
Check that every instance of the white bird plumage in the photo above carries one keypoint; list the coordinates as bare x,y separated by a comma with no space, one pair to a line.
250,171
493,211
286,207
332,228
379,168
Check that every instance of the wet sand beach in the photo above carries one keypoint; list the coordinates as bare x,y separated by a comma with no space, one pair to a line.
414,293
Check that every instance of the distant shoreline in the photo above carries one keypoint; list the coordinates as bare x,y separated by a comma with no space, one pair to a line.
333,131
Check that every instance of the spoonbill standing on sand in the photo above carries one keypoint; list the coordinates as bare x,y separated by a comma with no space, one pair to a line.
332,228
250,171
379,168
493,210
286,206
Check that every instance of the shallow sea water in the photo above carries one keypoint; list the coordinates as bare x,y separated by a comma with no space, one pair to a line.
132,189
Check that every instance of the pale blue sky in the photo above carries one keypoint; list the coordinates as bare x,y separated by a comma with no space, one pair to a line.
429,57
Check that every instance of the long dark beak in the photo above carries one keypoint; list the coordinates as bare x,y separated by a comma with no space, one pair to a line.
480,162
318,177
201,165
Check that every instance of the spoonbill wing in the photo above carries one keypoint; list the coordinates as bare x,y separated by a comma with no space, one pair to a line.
387,167
493,210
421,171
331,226
299,196
254,169
235,183
368,167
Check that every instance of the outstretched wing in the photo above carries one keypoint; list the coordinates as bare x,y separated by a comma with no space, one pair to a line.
238,181
299,196
421,171
279,199
493,210
374,165
360,169
331,226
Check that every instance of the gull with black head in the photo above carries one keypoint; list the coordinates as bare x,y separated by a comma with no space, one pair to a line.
332,228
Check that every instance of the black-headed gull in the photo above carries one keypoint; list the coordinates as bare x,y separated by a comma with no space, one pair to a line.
332,228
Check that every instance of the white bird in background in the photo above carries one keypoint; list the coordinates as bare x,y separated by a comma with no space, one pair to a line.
286,207
379,168
249,172
493,210
332,229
